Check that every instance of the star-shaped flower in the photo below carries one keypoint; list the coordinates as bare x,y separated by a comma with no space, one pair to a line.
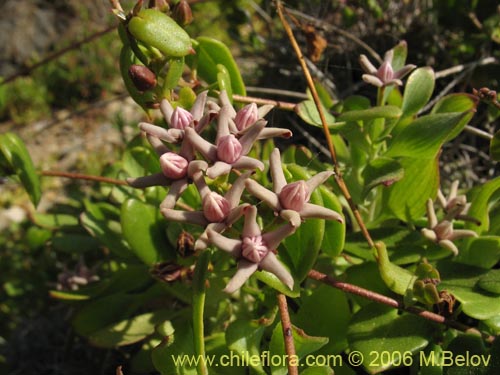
384,75
228,152
455,206
218,212
442,232
254,250
286,198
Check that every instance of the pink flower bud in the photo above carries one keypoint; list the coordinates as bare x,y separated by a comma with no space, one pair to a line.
215,207
229,149
293,196
443,230
254,248
385,72
180,118
173,166
246,116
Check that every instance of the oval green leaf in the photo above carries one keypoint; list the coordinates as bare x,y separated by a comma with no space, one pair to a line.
381,171
388,111
19,161
418,90
334,238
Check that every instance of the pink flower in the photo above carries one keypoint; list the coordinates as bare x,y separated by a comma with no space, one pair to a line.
254,250
173,166
181,118
293,197
229,149
216,208
246,116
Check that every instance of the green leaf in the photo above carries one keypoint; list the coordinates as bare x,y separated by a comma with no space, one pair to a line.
461,280
74,243
334,237
144,229
381,171
140,161
272,280
304,345
418,90
398,279
491,281
224,81
457,103
244,336
378,328
128,331
309,113
481,252
388,111
69,296
421,178
19,162
431,363
495,146
481,198
424,137
158,30
211,52
98,221
367,275
55,221
303,246
315,317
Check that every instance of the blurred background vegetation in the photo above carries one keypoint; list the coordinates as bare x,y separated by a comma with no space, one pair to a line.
74,116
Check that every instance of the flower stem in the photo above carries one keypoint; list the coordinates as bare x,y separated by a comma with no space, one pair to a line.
199,293
287,334
338,175
380,298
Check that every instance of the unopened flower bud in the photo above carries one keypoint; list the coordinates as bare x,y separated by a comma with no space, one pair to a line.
246,116
173,166
229,149
254,248
180,118
142,78
385,72
294,195
443,230
182,13
215,207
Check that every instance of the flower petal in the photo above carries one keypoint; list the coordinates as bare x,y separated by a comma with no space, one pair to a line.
175,191
276,169
372,80
267,133
224,100
223,122
251,135
271,264
246,162
367,65
318,179
188,217
250,227
245,270
319,212
157,179
157,144
166,110
168,135
265,195
202,242
229,245
274,238
199,105
208,150
233,195
218,169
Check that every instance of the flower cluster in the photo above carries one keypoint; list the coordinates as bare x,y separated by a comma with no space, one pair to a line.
179,147
442,232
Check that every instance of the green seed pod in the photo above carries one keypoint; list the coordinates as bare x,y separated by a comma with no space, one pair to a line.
158,30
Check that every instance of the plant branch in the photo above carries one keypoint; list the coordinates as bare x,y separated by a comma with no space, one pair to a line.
317,102
286,324
380,298
277,103
28,69
80,176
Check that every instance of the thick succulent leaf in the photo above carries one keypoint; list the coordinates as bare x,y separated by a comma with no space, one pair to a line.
315,317
457,103
381,171
424,137
140,161
272,280
211,52
418,90
304,345
421,178
462,282
17,160
144,230
388,111
128,331
491,281
378,328
481,252
309,113
334,237
481,198
303,246
156,29
244,336
397,279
